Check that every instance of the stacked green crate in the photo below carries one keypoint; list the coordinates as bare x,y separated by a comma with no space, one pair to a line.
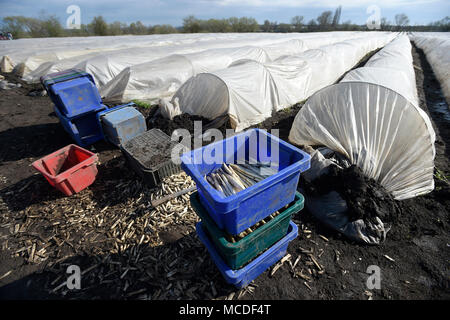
238,253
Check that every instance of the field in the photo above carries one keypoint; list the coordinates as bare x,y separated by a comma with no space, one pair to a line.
128,250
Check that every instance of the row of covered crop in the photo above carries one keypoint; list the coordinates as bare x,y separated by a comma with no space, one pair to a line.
373,118
436,46
162,77
106,65
25,55
249,91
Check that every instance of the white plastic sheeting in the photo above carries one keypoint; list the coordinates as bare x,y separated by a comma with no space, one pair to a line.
105,67
292,81
26,54
328,63
32,63
373,118
249,91
6,64
161,78
436,47
245,91
106,64
108,60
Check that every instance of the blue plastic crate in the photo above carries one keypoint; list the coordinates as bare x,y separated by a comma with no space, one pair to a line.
74,93
242,210
242,277
52,78
84,130
121,123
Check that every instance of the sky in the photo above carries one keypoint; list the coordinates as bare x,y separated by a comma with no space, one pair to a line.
152,12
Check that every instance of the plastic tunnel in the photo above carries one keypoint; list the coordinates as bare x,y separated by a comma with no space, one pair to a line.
245,91
162,77
249,91
27,54
373,118
436,46
107,62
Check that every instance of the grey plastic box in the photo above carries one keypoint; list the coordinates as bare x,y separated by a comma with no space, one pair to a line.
121,124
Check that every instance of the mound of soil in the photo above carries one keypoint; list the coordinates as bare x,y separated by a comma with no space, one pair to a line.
182,121
281,120
366,198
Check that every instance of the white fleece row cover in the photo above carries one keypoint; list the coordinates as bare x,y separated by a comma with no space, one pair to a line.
27,54
373,118
436,46
105,65
249,91
162,77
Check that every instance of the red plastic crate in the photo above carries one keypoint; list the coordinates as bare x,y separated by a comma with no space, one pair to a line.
70,169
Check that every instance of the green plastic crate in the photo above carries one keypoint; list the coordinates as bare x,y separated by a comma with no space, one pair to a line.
241,252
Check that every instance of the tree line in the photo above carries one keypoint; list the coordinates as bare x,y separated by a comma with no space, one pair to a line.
50,26
26,27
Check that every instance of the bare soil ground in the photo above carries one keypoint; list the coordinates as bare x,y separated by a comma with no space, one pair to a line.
42,232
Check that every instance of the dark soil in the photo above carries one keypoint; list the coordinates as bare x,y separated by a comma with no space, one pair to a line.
366,199
150,153
280,120
164,154
183,121
413,260
186,121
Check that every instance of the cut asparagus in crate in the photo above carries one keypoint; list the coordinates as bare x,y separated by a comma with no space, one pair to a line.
235,208
232,178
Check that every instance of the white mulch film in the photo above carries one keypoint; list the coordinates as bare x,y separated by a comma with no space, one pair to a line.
26,55
436,46
249,91
373,117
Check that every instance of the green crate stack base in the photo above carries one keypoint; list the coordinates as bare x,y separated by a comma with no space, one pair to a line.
241,252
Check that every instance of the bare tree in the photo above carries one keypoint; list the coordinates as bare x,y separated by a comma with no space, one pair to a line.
297,22
401,20
384,24
325,19
269,26
337,16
